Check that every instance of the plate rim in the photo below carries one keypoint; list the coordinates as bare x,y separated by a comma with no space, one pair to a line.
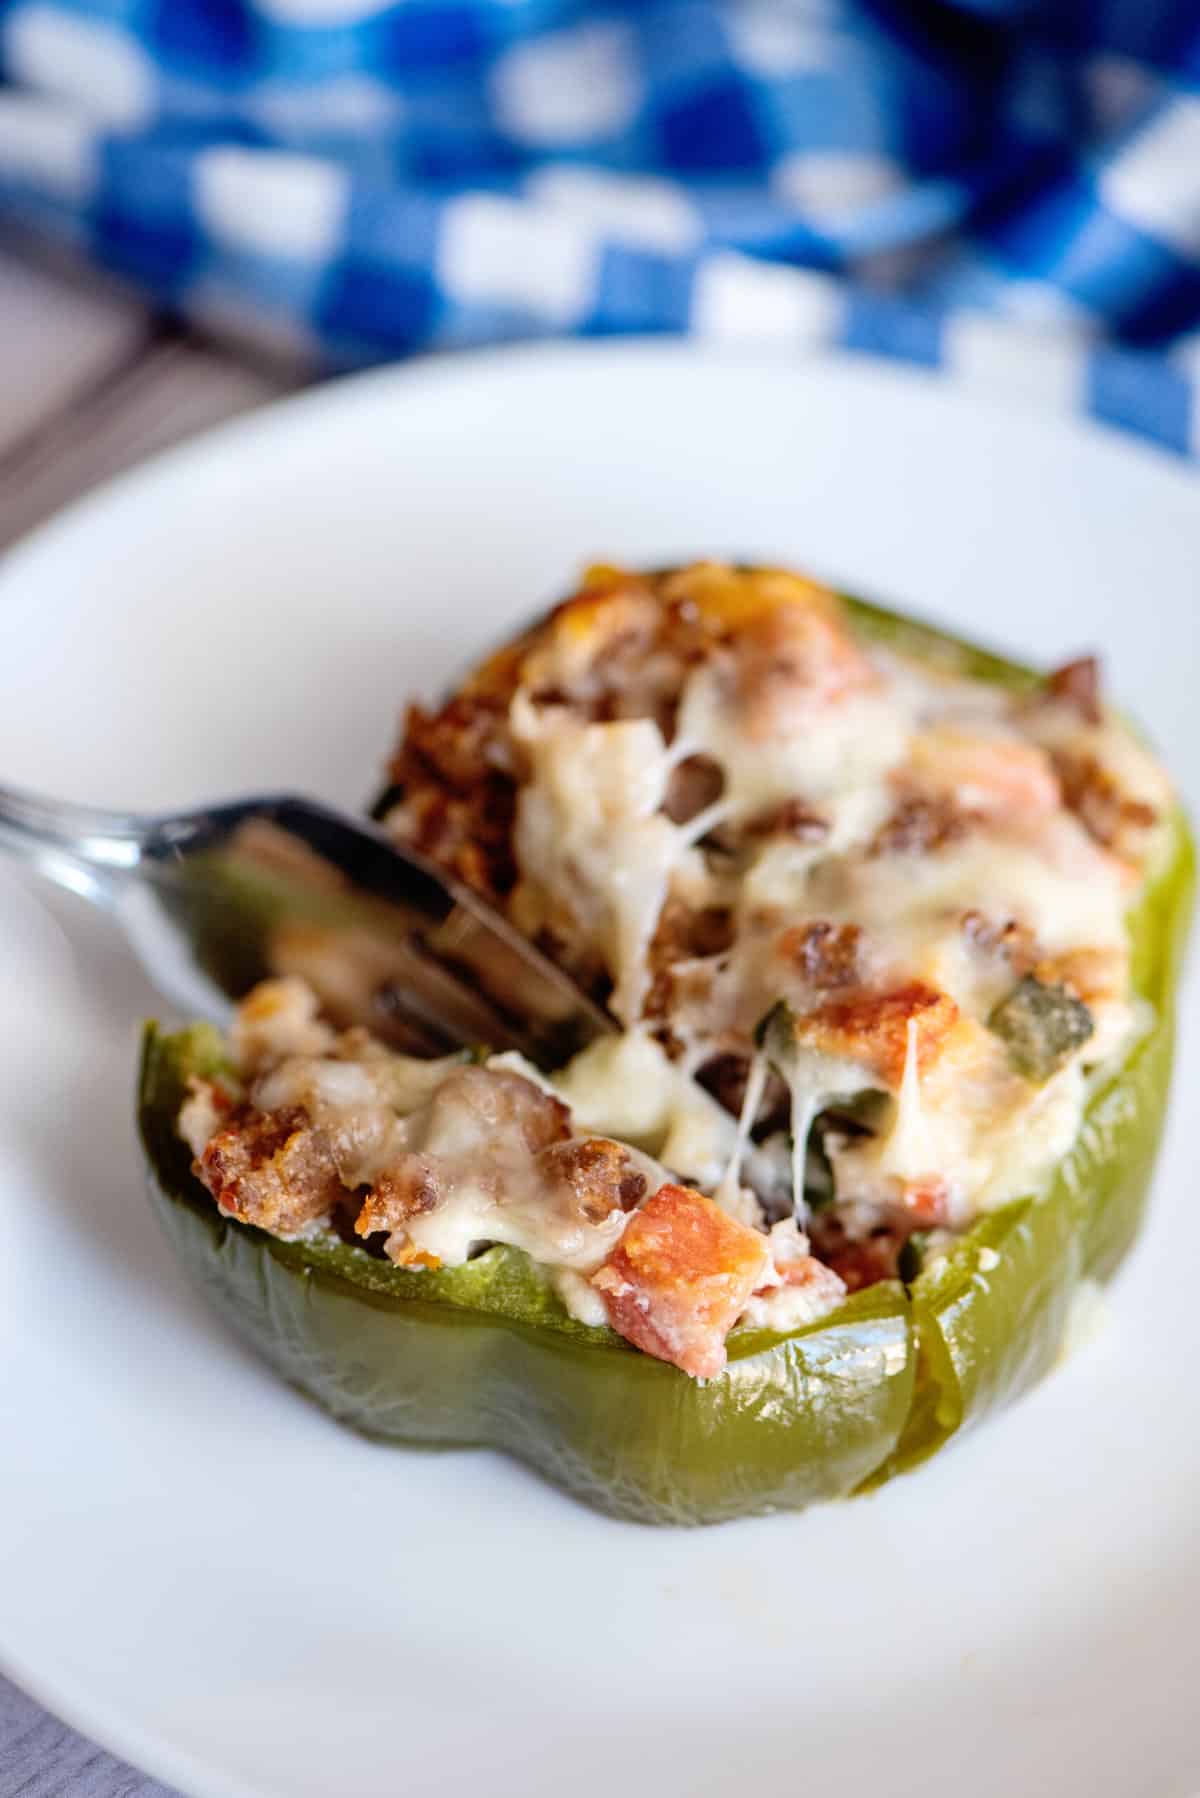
348,390
58,1691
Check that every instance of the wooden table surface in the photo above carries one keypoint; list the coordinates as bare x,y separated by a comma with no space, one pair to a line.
90,383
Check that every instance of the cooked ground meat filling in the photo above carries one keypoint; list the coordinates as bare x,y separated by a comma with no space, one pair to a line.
861,921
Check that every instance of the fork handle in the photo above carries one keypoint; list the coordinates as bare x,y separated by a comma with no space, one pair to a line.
83,848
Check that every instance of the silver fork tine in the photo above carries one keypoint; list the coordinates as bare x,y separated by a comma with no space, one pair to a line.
213,899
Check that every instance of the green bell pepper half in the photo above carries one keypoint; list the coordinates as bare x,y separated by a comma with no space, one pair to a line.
486,1355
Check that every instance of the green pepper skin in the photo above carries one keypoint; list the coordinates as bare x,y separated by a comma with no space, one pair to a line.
1112,1164
985,1333
988,1331
486,1355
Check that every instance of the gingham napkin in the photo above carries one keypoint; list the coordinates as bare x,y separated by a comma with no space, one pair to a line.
360,180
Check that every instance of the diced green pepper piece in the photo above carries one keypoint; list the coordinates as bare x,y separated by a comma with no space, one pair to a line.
1042,1024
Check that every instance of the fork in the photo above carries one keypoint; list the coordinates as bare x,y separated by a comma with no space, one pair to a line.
213,900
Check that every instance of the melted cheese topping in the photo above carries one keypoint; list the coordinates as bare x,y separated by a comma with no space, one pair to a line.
911,1149
590,837
827,752
888,853
472,1134
925,799
629,1087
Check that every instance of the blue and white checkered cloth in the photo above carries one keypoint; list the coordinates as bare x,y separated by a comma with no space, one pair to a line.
362,179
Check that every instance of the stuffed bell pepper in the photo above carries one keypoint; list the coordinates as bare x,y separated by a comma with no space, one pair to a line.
889,928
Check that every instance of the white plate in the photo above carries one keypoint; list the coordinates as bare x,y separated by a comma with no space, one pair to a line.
197,1567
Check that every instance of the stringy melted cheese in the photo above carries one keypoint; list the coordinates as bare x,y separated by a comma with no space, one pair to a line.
628,1087
880,829
595,846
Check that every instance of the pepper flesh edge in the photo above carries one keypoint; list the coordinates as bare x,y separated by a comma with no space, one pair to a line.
988,1329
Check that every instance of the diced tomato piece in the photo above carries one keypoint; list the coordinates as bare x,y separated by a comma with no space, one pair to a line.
680,1277
992,777
872,1028
797,655
928,1201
